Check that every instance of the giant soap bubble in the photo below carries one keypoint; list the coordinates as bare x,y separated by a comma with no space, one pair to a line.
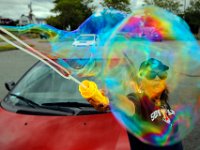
83,43
153,74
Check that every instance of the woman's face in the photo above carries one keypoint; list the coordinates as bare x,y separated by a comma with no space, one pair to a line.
154,87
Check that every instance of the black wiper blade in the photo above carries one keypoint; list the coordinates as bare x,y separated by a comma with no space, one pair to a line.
35,105
79,108
68,104
26,100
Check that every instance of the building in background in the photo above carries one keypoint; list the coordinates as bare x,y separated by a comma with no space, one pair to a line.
40,20
30,18
24,20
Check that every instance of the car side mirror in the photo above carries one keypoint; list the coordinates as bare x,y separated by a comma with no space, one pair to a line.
9,85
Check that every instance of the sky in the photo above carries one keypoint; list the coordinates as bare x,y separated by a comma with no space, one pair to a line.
15,8
41,8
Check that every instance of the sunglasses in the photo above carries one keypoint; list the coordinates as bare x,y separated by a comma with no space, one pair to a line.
152,75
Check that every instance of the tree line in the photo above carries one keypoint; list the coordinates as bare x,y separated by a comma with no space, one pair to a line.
72,13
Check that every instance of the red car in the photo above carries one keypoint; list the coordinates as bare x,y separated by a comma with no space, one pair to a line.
44,111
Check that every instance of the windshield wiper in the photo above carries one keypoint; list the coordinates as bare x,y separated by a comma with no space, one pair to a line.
82,108
67,104
26,100
35,105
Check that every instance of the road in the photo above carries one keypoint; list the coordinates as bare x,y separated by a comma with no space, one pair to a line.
13,64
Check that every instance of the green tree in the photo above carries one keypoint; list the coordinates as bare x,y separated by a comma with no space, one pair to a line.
171,5
194,6
122,5
192,14
69,13
54,21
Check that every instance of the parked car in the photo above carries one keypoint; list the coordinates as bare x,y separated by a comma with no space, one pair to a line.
45,111
85,40
43,36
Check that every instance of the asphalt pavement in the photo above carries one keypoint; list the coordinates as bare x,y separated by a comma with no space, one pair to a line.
13,64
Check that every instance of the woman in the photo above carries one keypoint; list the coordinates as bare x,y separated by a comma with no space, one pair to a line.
150,102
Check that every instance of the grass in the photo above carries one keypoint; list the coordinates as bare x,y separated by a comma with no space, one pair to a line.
7,47
8,38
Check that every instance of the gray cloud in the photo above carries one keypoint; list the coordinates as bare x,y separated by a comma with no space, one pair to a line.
41,8
97,4
15,8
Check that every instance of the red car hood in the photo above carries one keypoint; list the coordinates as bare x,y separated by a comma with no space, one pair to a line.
33,132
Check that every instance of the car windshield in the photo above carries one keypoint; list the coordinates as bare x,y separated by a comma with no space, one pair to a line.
43,85
86,38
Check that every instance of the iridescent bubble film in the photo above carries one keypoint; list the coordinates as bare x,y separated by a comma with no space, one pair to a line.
84,42
151,67
153,75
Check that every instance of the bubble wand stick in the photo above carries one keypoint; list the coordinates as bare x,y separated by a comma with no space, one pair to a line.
133,73
88,89
35,53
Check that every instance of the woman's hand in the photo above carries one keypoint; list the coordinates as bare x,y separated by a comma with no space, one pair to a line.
125,105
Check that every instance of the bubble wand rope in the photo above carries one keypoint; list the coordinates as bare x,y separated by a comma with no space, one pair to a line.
88,89
133,72
39,56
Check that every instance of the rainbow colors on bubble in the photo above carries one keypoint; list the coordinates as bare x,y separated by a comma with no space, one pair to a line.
147,52
60,42
157,57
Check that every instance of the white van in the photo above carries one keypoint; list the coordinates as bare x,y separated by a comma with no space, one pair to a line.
85,40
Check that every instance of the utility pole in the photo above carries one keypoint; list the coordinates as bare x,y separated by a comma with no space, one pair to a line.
30,16
184,5
184,8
